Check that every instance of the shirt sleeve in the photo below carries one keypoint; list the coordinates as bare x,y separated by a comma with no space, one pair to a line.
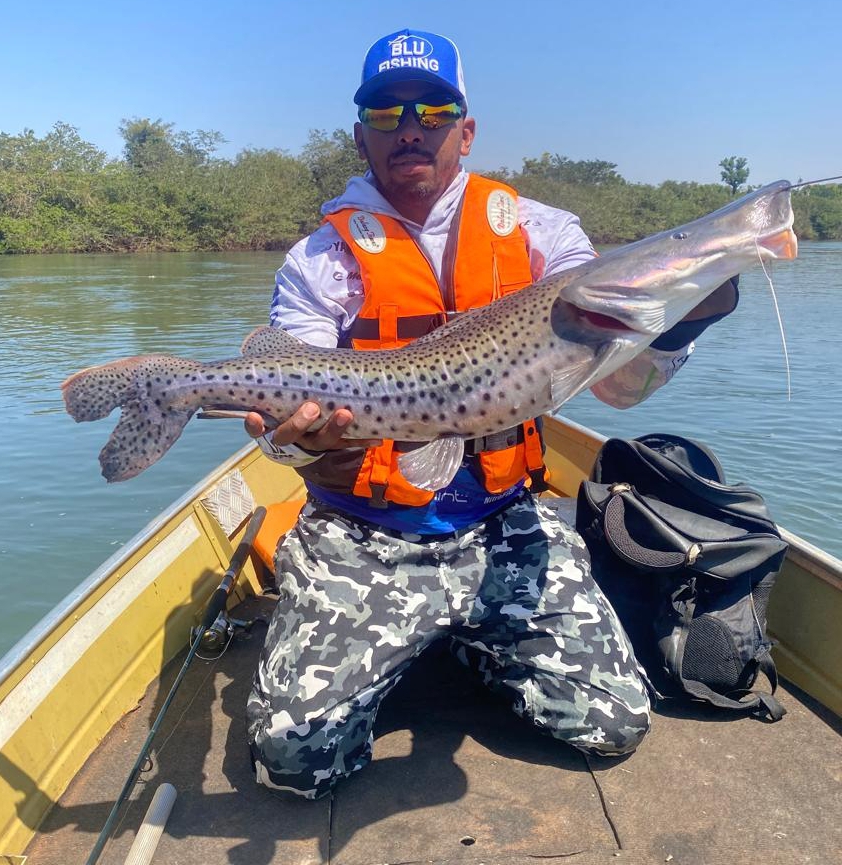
307,302
638,379
555,238
317,289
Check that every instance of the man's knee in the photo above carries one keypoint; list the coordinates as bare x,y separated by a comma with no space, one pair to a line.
308,757
605,724
307,767
616,734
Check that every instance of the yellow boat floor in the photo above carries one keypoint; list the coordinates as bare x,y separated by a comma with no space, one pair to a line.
457,778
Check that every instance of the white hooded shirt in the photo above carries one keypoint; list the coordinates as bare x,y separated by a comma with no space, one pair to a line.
319,292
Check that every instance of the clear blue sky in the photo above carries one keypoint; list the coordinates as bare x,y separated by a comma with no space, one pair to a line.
663,89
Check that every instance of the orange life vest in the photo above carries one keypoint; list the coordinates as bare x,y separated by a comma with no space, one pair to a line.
485,257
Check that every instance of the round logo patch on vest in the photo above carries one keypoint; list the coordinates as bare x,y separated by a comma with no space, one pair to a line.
367,231
501,210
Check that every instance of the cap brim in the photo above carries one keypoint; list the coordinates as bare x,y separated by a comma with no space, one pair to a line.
385,79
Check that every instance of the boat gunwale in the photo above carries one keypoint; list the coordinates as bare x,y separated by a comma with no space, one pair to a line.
816,561
26,645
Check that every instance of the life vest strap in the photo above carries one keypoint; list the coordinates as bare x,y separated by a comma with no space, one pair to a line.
498,441
408,326
534,452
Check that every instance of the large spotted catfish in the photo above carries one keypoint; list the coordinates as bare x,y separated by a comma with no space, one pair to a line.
490,369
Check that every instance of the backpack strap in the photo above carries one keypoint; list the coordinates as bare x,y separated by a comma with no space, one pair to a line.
760,705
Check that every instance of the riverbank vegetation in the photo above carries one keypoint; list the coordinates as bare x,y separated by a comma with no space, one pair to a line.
170,191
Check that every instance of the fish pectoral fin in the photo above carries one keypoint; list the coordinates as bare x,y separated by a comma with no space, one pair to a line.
434,465
567,382
268,340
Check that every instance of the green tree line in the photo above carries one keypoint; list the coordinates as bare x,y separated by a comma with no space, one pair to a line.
171,191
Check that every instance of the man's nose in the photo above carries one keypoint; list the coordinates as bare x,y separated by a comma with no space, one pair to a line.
410,130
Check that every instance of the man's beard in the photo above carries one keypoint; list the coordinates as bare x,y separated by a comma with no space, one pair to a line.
416,189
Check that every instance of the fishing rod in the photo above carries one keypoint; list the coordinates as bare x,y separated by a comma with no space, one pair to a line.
215,606
813,182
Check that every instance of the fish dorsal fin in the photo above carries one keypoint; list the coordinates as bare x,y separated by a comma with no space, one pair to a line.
268,340
434,465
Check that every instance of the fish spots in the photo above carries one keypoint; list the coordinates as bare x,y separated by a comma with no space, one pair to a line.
465,384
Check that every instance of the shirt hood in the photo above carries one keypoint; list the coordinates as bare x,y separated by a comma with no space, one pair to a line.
362,194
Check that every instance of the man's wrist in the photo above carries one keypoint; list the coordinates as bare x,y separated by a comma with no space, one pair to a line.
289,455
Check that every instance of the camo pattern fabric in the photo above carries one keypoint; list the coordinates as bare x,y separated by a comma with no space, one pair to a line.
358,604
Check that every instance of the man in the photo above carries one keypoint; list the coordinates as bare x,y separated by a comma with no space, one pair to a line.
376,569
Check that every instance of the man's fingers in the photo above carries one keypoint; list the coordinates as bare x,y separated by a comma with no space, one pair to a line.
292,429
254,424
295,430
330,435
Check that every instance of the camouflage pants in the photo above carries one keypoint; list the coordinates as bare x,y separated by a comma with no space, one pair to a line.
358,604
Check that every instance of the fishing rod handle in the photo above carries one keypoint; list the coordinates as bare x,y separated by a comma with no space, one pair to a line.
150,831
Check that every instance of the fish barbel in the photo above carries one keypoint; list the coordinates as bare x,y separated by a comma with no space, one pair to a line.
486,371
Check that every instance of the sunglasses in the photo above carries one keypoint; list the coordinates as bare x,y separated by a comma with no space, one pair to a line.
428,116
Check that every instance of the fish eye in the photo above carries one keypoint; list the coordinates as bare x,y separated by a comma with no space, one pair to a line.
680,235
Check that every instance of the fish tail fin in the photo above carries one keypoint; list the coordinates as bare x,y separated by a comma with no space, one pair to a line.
142,436
94,393
147,428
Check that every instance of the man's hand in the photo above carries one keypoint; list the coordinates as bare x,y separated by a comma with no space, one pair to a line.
295,430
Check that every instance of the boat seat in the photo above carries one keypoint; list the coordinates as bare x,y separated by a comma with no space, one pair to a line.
280,518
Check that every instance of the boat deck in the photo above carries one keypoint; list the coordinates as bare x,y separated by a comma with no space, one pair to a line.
457,778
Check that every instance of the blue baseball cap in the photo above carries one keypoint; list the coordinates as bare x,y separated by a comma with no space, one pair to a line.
411,55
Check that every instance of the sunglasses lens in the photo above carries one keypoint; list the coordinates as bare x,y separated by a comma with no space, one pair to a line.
429,116
436,116
382,119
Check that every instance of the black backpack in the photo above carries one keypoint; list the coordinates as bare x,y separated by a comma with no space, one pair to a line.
688,563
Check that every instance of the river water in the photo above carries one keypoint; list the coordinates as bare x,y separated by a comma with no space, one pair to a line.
59,519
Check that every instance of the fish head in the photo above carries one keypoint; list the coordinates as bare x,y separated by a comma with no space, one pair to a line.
650,285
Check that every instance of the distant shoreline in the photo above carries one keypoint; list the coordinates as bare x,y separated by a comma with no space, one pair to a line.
60,194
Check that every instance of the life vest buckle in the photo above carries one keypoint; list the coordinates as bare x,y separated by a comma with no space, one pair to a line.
378,495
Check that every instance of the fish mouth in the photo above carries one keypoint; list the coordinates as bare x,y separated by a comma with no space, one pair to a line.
602,321
780,244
